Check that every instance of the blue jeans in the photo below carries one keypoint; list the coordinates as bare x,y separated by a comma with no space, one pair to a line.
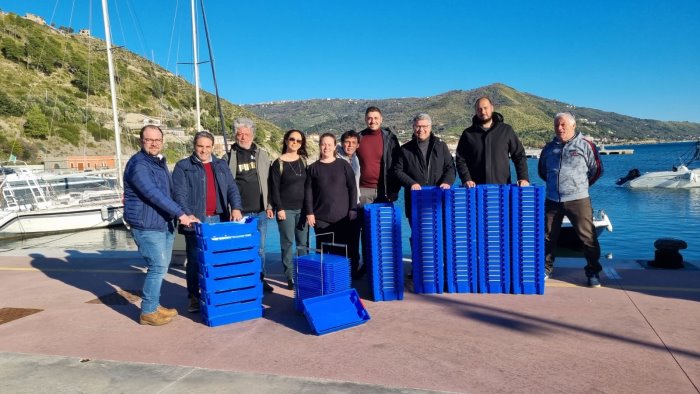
292,229
262,228
156,247
192,267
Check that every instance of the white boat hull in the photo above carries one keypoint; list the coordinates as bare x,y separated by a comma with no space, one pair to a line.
681,179
16,224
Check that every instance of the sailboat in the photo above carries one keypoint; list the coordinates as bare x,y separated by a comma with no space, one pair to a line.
37,203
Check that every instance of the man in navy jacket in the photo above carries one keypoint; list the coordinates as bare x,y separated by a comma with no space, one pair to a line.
150,210
204,188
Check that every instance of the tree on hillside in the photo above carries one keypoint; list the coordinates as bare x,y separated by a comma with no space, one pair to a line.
36,126
11,50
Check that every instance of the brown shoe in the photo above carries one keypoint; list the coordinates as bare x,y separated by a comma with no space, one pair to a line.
154,319
169,312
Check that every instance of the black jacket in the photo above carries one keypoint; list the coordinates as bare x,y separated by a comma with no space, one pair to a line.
411,168
482,156
388,187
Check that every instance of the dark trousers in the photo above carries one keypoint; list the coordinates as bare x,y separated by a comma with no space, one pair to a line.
338,233
580,215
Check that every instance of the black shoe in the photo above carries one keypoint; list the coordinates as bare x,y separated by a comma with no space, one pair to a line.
267,288
593,281
193,304
290,285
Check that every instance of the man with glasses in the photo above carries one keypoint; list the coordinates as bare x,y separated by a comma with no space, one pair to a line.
149,209
250,166
425,161
205,189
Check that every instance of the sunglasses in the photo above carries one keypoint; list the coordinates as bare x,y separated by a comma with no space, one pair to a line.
298,141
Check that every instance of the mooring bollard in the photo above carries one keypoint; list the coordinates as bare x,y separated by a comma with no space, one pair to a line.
667,253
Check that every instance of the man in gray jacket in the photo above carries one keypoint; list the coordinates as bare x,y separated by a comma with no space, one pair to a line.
570,164
250,166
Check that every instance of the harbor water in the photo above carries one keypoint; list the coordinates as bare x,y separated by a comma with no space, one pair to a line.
639,217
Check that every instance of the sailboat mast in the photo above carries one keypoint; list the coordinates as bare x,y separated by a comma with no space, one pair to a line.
113,91
213,73
196,65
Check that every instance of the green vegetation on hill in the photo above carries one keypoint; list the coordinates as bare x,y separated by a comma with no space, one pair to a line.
452,112
54,94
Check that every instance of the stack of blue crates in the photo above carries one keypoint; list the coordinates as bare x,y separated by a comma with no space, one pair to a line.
229,272
319,274
461,257
427,240
493,238
527,239
382,246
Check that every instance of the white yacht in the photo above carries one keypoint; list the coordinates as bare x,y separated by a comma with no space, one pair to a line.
680,177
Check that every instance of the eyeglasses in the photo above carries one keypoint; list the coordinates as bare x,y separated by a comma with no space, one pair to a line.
294,140
153,141
422,127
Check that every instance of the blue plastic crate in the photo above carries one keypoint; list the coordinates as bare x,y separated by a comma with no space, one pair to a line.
461,246
227,236
207,284
231,313
229,296
319,274
383,252
229,256
335,312
427,240
527,239
493,238
231,269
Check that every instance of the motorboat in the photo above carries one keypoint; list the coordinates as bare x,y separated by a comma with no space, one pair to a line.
37,203
680,177
568,238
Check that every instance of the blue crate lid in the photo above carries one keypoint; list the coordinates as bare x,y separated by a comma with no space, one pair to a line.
335,312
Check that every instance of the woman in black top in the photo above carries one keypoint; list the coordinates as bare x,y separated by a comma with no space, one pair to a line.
287,179
330,198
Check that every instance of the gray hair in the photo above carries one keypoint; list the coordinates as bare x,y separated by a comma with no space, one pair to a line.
244,123
569,117
422,116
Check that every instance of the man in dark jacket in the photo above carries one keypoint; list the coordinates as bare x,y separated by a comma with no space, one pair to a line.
150,210
484,149
377,153
425,161
204,188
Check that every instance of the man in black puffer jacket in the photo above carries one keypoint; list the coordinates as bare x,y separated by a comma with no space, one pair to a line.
425,161
485,147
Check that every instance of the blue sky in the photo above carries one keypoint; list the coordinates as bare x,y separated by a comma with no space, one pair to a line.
638,58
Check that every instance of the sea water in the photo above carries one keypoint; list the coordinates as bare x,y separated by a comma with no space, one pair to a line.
639,217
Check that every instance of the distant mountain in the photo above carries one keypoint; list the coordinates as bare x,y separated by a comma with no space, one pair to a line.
531,116
54,96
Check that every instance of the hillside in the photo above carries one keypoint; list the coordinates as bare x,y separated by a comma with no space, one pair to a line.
54,96
530,116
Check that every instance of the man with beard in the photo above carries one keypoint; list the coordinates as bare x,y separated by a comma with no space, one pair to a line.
250,166
484,148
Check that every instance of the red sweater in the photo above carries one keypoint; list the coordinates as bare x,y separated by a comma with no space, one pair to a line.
370,154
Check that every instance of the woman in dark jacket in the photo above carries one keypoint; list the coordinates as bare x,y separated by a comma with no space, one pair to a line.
330,198
286,191
425,161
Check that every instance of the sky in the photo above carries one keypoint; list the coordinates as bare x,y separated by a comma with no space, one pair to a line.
639,58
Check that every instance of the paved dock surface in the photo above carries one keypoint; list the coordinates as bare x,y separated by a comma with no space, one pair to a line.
639,333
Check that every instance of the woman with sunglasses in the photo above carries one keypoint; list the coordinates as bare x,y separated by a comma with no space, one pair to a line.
287,178
330,199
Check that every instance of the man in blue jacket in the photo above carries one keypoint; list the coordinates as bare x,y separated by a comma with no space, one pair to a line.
570,164
204,188
150,210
